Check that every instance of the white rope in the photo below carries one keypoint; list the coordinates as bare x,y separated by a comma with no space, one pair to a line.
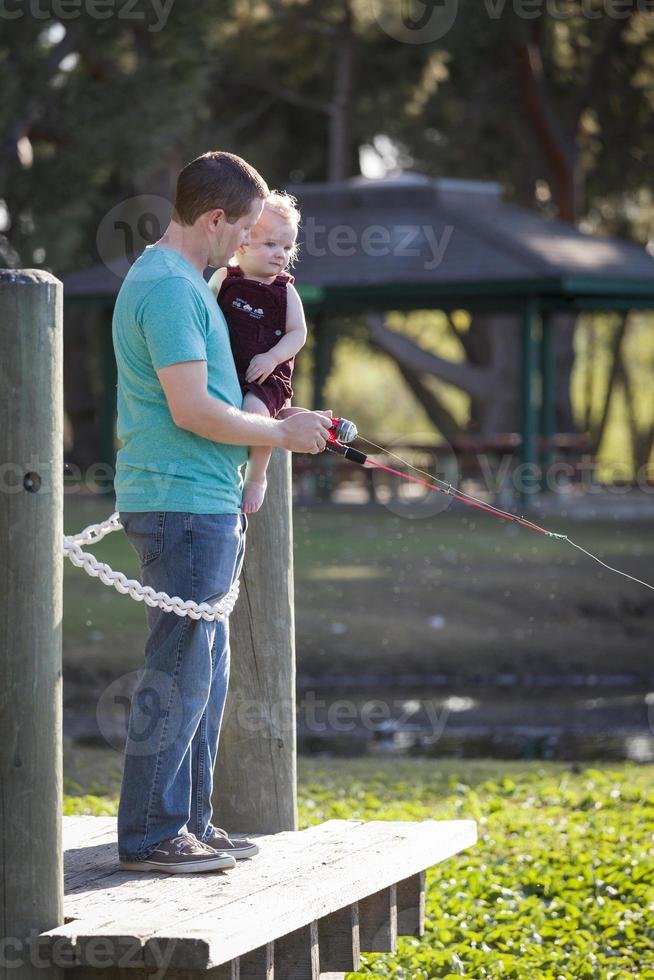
129,586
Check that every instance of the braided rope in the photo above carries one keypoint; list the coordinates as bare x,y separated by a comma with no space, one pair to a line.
129,586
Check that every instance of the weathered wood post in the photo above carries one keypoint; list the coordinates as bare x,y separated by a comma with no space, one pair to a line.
256,769
31,528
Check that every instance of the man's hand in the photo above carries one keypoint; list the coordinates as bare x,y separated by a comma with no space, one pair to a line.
306,432
193,408
260,367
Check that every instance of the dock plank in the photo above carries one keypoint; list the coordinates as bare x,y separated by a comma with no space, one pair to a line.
201,921
96,899
387,852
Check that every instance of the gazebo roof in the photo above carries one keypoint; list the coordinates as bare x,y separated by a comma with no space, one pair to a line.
455,239
415,240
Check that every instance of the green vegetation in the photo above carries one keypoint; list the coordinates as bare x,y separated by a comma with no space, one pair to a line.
559,887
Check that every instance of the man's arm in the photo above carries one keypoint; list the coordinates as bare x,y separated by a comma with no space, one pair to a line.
193,408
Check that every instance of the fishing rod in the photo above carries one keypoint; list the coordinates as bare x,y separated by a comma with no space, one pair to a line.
343,432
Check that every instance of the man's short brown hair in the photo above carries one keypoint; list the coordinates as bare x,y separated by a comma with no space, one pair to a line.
217,180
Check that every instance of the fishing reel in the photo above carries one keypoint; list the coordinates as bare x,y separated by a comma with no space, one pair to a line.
343,431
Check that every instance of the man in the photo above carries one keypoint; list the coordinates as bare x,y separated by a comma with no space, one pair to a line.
178,491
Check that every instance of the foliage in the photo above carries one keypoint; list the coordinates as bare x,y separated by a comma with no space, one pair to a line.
560,884
64,161
250,75
558,887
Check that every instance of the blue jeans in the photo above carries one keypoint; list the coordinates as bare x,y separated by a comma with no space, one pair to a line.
177,706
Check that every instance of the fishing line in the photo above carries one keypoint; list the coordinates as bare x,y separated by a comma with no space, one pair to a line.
343,431
462,493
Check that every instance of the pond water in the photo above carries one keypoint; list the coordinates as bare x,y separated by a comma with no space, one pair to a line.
520,723
585,718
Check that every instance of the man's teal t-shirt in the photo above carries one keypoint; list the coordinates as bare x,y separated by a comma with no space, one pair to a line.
165,313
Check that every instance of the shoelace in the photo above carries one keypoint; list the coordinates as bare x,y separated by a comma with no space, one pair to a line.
219,832
194,845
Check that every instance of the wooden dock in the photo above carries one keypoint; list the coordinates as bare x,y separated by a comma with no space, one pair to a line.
302,909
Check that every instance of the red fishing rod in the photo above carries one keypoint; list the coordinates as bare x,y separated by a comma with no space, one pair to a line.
343,432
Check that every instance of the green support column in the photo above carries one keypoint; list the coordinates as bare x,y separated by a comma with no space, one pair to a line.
107,407
323,357
547,404
528,415
324,342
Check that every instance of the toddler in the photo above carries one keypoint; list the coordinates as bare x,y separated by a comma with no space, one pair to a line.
266,324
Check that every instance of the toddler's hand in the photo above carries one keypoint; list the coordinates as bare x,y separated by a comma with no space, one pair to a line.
260,367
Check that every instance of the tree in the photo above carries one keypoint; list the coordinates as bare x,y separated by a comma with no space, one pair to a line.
94,112
570,82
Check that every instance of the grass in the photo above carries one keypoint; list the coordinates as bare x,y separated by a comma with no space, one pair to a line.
559,887
502,598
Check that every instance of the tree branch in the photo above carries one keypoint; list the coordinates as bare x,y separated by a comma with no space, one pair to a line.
473,380
531,82
461,337
438,414
613,32
287,94
311,21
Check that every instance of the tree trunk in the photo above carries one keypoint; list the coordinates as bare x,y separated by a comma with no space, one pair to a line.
490,376
616,346
641,437
338,167
439,415
492,343
559,150
563,332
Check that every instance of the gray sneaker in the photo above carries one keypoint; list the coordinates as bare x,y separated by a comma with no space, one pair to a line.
238,847
183,854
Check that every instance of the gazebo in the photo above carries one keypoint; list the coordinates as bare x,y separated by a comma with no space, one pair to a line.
415,242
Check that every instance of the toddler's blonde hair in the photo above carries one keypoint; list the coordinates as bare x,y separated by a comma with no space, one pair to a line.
285,205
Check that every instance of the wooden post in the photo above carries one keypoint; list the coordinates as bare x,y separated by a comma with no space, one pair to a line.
378,922
256,769
31,529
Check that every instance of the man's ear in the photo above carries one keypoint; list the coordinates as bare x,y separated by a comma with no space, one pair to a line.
215,216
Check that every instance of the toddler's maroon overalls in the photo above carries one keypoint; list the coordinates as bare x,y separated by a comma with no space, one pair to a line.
256,318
